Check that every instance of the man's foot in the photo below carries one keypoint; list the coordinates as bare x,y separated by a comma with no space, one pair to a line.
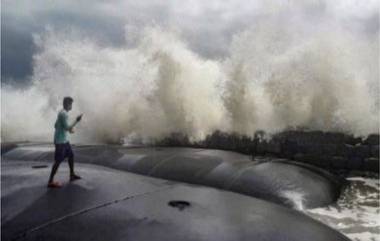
74,177
54,185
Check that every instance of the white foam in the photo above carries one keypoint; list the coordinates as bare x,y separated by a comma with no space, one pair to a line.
356,214
364,236
367,181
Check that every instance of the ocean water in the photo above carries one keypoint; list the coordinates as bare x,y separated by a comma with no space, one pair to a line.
357,212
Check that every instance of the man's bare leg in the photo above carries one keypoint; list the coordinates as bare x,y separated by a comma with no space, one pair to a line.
73,176
54,169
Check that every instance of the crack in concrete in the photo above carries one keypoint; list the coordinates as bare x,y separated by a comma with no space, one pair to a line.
82,211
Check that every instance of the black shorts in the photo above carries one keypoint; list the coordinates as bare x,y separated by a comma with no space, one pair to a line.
63,151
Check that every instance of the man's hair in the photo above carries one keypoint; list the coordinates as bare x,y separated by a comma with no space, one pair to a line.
67,100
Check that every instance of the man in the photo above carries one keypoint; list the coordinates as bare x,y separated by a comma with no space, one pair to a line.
62,145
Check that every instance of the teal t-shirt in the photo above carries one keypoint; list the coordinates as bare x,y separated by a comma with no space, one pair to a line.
61,128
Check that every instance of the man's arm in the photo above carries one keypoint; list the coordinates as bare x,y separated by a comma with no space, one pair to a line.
65,123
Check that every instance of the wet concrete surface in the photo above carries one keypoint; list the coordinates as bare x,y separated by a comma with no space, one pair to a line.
110,205
283,182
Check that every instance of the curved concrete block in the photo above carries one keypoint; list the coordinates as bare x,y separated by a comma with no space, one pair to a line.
280,181
113,205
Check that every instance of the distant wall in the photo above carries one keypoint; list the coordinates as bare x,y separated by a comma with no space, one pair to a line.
336,151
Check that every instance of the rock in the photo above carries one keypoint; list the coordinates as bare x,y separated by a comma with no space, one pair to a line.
325,162
372,139
319,137
329,149
289,149
375,151
274,147
245,145
334,138
355,163
362,151
309,149
338,162
371,164
318,149
261,147
300,157
345,150
351,140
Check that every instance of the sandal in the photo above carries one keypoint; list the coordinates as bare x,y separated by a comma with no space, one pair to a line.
74,177
54,185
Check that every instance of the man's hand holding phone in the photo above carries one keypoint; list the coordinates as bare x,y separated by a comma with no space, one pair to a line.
79,118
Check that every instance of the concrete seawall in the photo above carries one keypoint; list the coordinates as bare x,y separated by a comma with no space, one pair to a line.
333,151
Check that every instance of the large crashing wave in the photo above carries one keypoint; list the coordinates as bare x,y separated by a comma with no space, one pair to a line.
276,77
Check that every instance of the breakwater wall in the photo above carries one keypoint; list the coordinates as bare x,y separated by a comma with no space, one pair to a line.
334,151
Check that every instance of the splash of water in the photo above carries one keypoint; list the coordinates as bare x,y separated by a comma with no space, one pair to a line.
356,213
296,198
274,78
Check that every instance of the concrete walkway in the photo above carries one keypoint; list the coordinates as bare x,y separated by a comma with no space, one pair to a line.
112,205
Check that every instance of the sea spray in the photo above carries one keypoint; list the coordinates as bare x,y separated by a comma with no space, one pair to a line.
150,91
296,198
279,79
275,77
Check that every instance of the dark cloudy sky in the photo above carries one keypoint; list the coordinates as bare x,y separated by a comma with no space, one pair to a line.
207,26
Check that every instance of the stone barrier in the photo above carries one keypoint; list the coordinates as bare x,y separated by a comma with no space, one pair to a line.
336,151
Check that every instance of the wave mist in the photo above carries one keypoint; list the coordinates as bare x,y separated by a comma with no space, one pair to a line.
273,78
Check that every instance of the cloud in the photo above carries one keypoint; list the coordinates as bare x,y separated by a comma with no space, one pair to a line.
17,52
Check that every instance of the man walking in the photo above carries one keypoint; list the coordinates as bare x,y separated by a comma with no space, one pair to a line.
62,145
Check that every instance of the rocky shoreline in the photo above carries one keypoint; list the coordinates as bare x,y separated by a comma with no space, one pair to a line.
333,151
